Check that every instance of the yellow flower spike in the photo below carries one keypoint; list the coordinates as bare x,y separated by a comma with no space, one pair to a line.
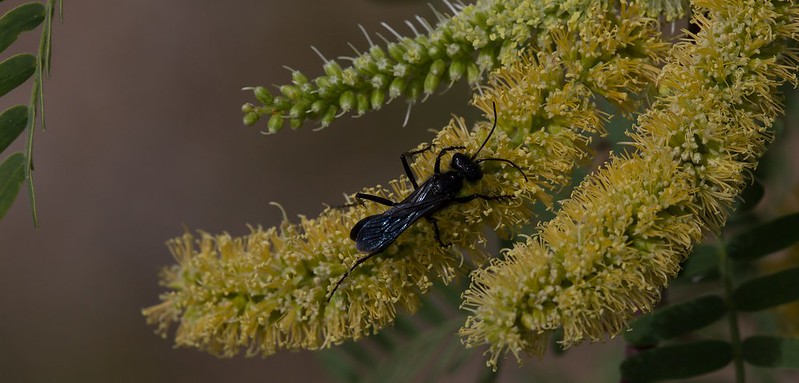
267,290
584,266
614,245
608,53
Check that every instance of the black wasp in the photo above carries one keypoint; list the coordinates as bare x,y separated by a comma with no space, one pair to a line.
375,233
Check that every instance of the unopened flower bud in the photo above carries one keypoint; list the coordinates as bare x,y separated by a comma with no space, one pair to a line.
275,123
431,83
263,95
397,87
290,91
251,118
456,70
377,99
362,103
347,101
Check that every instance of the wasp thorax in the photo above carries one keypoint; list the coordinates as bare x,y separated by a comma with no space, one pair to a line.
466,167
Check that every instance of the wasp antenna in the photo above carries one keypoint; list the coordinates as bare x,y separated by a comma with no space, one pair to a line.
507,162
494,105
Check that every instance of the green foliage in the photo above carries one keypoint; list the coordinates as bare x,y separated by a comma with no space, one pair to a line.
751,196
731,260
702,264
769,291
15,71
411,351
675,320
770,351
12,122
12,174
765,239
677,361
26,17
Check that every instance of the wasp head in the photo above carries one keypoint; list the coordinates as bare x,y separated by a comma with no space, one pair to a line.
467,167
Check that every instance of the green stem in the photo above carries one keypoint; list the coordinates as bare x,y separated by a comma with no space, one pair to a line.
36,103
29,145
725,268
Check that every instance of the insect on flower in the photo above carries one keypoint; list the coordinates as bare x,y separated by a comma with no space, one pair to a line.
375,233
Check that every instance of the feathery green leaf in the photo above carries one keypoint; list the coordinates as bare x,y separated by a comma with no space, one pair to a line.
675,320
16,70
769,291
23,18
770,351
765,239
12,123
677,362
703,263
12,174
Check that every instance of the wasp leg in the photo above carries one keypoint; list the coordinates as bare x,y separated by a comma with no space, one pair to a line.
375,198
437,168
472,197
408,171
343,277
437,231
368,197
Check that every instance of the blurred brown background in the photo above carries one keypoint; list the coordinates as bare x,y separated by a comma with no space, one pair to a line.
145,138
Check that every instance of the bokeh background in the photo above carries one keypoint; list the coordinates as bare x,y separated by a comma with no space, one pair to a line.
144,140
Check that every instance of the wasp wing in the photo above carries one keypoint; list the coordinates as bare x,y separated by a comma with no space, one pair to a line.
376,232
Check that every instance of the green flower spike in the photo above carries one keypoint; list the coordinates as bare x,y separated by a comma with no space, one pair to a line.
477,38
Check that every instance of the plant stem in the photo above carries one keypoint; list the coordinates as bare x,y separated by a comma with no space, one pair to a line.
725,268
